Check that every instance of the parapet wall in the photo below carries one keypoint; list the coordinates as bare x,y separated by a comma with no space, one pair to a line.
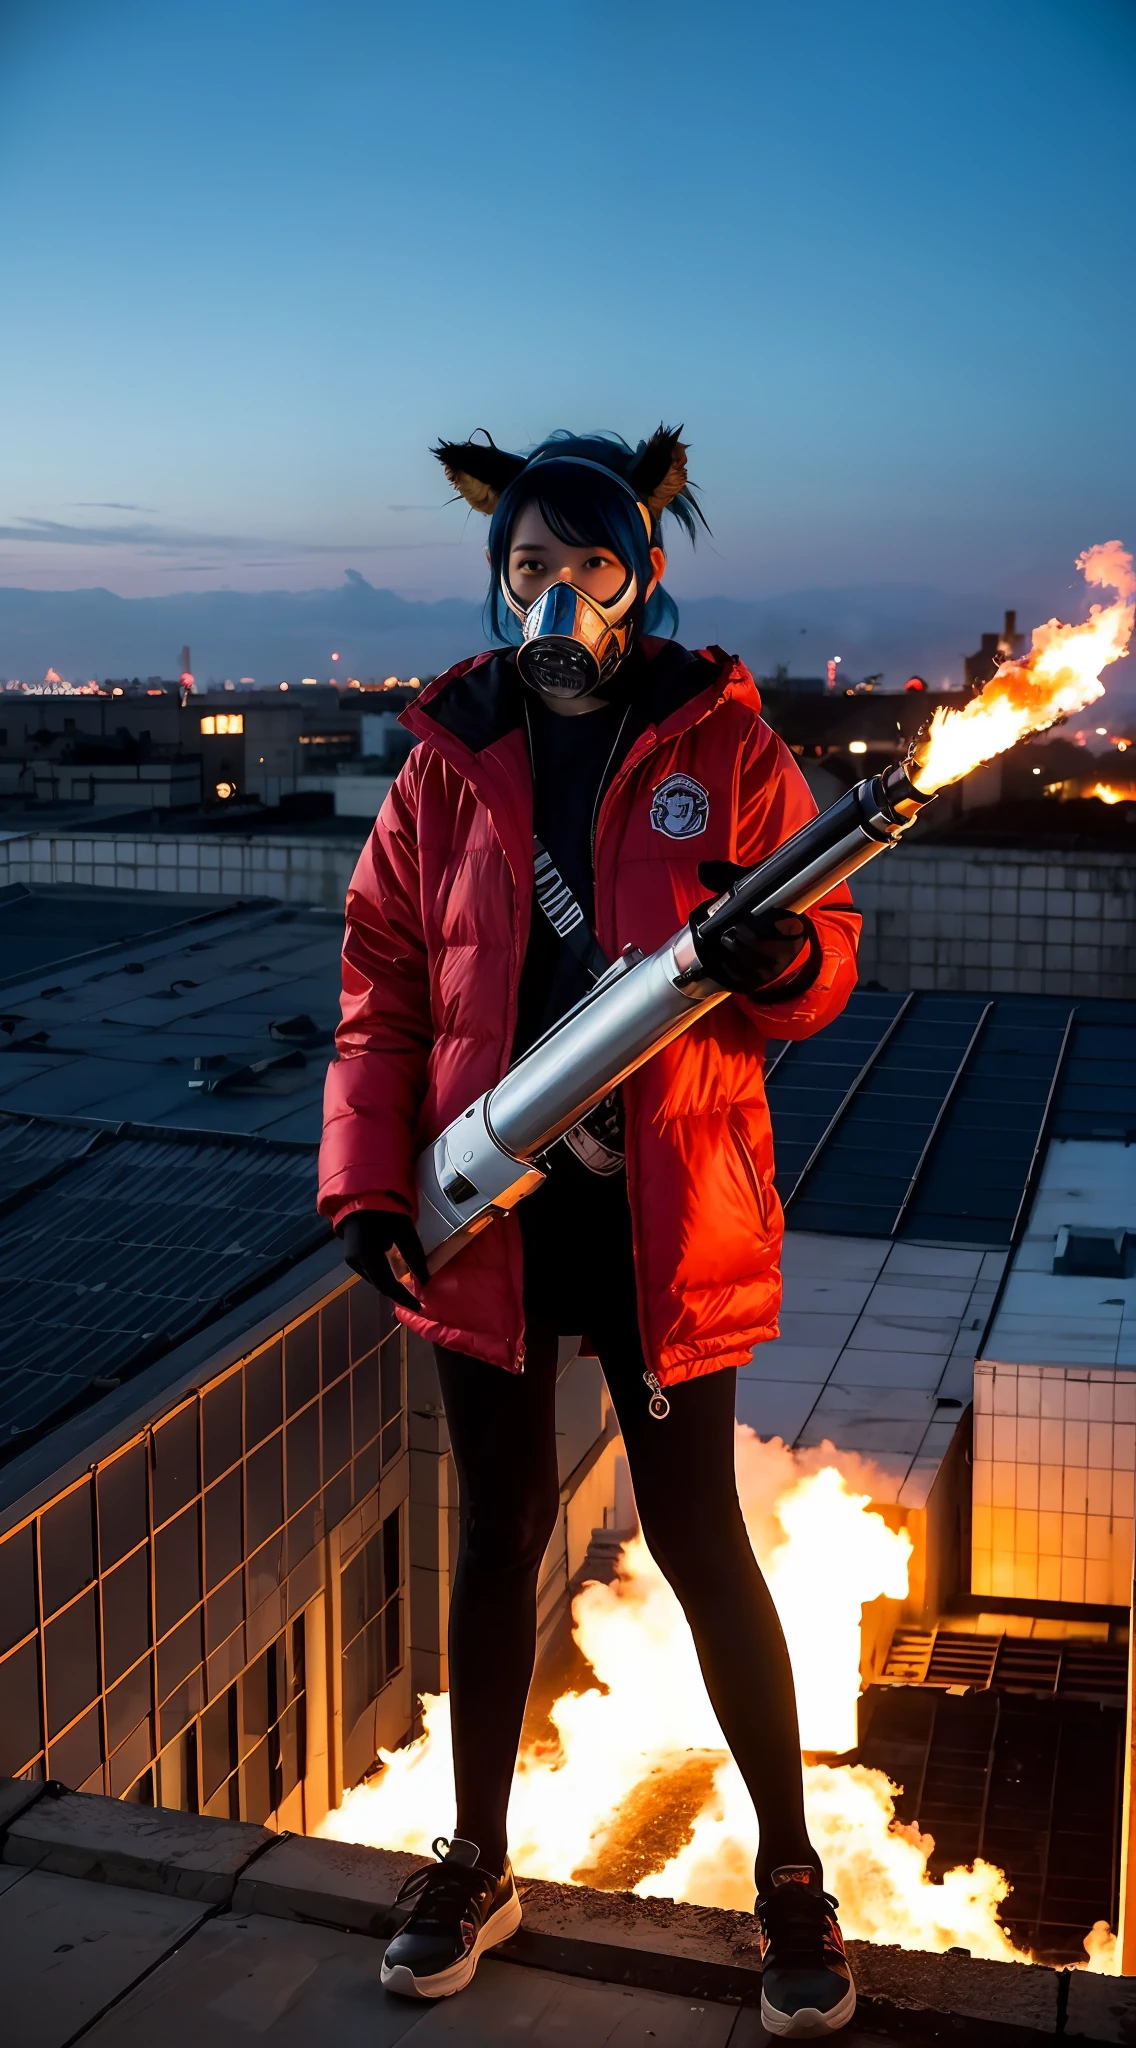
1002,921
303,869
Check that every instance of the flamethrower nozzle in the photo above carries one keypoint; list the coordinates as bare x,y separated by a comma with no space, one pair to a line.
869,818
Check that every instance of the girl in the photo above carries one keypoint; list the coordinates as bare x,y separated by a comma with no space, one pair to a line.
644,774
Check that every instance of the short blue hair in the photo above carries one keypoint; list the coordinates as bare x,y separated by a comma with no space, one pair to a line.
584,508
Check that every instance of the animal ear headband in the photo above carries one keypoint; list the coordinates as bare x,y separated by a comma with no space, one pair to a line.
480,471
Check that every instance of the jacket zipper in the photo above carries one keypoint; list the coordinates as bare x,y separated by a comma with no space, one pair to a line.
658,1407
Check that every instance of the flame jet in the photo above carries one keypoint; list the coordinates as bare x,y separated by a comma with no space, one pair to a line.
487,1160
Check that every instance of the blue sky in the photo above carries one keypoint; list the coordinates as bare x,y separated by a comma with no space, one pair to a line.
256,255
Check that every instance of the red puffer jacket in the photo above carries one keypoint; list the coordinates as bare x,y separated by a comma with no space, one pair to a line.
437,924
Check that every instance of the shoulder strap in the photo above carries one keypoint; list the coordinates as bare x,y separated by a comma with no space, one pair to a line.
564,913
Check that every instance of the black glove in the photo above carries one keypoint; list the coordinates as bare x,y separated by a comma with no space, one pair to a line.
368,1237
756,950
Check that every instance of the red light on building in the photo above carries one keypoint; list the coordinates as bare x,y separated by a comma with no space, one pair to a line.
915,683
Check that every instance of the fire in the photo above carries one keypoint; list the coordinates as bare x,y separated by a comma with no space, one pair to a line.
637,1790
1112,793
1059,675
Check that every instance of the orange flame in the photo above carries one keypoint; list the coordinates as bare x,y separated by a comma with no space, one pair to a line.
1059,675
649,1745
1112,793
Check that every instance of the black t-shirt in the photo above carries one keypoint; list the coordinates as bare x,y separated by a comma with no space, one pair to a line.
574,759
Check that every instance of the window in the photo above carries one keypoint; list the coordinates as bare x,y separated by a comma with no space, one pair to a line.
126,1615
253,1736
177,1569
371,1620
21,1737
121,1490
217,722
175,1464
301,1364
262,1395
17,1586
221,1426
65,1548
72,1660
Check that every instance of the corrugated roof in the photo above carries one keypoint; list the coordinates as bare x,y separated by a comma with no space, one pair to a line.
920,1117
117,1244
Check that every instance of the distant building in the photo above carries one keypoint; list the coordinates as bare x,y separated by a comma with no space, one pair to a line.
994,649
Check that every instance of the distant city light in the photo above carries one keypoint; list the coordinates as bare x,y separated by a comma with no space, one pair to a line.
223,722
224,790
1102,732
1037,771
832,667
857,746
283,686
309,682
335,657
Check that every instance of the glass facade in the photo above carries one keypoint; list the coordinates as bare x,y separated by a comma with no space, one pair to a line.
153,1640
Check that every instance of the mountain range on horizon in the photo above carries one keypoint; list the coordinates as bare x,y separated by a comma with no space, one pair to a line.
273,635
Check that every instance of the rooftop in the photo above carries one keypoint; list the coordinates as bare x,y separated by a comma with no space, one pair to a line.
1070,1293
121,1242
210,1014
121,1925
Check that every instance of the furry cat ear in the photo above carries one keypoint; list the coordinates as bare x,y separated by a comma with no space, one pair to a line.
658,472
479,471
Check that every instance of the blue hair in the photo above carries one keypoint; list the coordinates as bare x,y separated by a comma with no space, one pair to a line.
584,508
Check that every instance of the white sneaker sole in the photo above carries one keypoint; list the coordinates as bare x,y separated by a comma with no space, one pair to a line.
808,2024
499,1926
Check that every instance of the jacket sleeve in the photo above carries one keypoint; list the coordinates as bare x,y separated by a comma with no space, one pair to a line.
375,1087
774,802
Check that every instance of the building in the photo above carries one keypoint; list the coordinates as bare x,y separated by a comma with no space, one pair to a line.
993,649
227,1505
248,743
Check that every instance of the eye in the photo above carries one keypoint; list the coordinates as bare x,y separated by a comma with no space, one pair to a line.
600,562
530,564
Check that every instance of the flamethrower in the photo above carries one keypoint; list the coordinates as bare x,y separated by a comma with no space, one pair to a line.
487,1160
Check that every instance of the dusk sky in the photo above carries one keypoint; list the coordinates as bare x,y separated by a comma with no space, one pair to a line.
257,255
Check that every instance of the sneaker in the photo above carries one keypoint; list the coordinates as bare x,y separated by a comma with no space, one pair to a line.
806,1984
457,1911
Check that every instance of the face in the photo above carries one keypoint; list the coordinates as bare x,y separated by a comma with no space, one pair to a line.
537,560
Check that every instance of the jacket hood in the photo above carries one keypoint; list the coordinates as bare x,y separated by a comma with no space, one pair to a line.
480,701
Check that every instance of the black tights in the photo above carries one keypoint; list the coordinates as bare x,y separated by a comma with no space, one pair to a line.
503,1434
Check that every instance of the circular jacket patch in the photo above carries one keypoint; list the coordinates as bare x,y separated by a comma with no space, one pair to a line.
680,807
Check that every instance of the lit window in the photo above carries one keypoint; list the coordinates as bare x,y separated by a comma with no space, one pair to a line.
857,746
222,722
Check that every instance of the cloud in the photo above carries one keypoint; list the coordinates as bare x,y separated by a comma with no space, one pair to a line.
169,540
110,505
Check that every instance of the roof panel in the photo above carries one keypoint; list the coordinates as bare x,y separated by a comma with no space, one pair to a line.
119,1243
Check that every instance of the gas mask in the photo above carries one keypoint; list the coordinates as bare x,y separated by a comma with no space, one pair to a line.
572,643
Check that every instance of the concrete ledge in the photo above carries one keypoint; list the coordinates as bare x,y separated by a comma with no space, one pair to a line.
144,1848
1101,2008
16,1795
654,1944
611,1937
335,1884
